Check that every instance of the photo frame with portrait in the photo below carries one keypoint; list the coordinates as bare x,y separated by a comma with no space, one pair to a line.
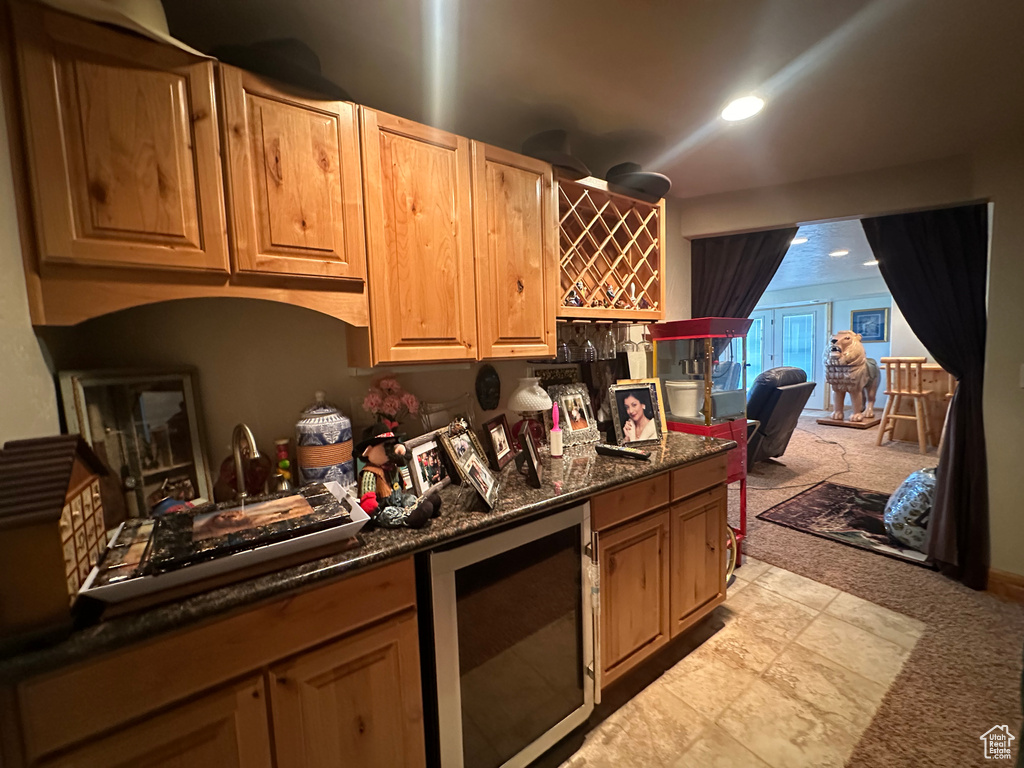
498,442
636,414
427,464
576,414
659,398
469,458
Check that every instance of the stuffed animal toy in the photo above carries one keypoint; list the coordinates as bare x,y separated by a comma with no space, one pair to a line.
380,486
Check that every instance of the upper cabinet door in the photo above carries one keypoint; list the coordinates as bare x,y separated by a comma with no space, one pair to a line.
123,147
516,257
293,181
419,241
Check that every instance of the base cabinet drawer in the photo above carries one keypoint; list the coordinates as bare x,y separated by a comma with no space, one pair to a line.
226,729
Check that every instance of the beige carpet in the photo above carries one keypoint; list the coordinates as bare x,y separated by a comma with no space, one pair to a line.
963,676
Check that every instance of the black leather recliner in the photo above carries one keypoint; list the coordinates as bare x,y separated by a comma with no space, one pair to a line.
776,400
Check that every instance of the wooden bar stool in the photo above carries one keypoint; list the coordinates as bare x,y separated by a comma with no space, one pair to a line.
903,379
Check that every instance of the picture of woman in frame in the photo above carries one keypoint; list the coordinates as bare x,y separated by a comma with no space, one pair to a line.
636,414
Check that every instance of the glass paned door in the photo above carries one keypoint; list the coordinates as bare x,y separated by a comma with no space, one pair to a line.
794,336
800,340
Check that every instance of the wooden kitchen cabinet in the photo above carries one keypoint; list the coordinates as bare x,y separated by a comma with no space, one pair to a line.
226,729
122,146
356,701
419,234
634,564
661,554
293,180
342,666
697,556
514,209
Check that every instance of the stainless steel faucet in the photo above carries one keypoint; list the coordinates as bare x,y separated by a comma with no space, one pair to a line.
241,432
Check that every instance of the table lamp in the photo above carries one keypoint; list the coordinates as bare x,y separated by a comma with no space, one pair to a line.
529,400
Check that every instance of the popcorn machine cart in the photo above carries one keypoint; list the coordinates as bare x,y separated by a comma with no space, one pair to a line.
702,365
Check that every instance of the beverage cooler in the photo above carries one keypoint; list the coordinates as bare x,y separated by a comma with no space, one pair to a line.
702,366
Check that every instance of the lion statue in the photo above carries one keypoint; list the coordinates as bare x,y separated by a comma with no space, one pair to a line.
849,369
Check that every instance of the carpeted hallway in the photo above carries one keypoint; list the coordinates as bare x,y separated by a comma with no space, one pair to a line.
963,675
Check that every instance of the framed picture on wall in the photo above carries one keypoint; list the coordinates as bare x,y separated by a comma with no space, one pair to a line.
871,324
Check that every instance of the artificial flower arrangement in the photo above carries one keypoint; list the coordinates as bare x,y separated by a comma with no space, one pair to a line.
388,402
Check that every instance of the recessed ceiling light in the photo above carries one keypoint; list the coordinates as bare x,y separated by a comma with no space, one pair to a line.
741,109
872,263
798,241
839,252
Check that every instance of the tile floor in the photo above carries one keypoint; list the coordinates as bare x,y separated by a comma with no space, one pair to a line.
792,679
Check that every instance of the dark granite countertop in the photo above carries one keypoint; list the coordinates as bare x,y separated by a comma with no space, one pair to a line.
579,474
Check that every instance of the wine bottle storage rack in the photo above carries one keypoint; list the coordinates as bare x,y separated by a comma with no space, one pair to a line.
611,251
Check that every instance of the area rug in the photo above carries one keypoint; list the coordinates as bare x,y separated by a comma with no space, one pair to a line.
842,513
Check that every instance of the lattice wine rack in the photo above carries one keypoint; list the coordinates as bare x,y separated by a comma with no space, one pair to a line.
611,251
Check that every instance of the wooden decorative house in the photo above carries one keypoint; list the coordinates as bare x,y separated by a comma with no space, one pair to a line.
51,530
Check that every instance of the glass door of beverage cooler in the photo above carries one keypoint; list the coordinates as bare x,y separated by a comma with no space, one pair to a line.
513,639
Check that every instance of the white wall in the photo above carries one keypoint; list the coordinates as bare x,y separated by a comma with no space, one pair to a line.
996,174
27,404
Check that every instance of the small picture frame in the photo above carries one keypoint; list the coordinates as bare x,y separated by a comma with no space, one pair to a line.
575,414
480,477
871,324
528,461
659,398
635,414
498,442
469,458
427,464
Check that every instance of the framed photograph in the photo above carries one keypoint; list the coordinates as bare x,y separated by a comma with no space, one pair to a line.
426,464
466,453
871,324
482,480
528,461
635,414
147,427
575,414
659,398
498,442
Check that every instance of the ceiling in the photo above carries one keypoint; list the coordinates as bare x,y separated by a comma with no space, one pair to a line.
810,264
850,85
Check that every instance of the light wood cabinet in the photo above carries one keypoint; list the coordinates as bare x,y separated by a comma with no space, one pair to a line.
697,556
341,662
419,234
122,144
293,181
353,702
634,562
226,729
661,553
514,208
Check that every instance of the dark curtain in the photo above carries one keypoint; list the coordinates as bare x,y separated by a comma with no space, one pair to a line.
729,273
935,264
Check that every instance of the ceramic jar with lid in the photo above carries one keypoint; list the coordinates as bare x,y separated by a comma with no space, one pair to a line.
323,443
